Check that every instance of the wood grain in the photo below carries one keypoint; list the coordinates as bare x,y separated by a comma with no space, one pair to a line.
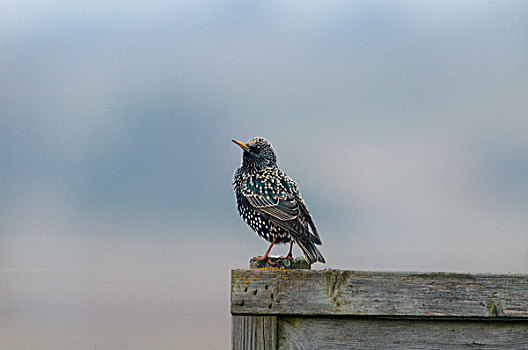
339,334
254,332
336,292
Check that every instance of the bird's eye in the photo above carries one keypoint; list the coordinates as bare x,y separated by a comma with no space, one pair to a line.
254,149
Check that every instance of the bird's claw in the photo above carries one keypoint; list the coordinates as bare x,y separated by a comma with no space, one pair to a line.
264,258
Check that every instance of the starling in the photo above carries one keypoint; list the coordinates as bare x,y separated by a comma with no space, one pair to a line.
269,202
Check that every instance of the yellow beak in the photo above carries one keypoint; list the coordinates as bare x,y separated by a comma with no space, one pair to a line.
242,145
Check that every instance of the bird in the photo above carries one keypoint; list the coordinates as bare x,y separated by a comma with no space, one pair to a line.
269,201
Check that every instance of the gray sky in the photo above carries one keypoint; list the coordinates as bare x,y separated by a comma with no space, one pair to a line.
405,125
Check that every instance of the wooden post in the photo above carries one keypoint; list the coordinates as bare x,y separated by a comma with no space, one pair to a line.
254,332
277,308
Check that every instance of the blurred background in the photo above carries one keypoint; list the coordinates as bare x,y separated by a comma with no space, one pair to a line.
405,125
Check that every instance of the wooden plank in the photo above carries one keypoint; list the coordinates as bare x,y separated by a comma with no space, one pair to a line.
340,334
254,332
335,292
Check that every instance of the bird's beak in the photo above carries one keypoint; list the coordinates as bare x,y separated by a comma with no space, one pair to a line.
242,145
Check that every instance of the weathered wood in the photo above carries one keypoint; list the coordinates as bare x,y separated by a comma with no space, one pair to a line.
378,310
297,263
341,334
334,292
254,332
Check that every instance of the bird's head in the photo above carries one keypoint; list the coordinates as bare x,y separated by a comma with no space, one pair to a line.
258,153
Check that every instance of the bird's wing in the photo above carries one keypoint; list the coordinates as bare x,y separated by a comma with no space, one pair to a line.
267,193
306,214
275,196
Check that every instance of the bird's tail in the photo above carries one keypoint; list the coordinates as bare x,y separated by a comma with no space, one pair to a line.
309,250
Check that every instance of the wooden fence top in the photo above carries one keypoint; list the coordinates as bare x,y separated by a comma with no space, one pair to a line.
386,294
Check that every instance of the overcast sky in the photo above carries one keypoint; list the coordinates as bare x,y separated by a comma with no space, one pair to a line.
404,123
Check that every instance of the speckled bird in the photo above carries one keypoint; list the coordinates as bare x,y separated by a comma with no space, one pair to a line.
269,202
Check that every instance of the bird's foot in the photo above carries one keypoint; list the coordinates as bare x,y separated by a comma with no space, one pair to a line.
264,258
289,257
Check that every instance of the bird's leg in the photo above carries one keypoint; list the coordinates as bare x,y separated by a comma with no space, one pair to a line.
265,257
290,255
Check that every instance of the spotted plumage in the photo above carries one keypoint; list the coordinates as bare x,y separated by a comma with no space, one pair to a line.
269,201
